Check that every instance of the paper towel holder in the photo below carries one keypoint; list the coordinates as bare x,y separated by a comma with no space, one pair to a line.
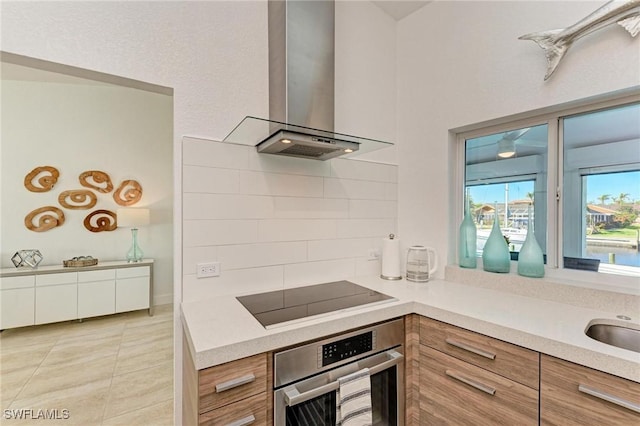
390,277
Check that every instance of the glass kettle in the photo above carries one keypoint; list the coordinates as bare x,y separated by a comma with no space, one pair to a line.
422,263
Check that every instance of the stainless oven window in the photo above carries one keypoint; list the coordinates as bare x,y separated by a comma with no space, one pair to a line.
321,411
384,398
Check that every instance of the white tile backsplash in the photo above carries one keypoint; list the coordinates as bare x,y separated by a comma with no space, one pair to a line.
218,232
318,272
227,206
343,248
355,189
357,228
239,256
210,180
364,170
202,152
238,282
191,256
296,229
372,209
276,221
310,208
261,183
288,165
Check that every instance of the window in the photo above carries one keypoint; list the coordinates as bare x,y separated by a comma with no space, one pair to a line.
579,170
601,152
506,172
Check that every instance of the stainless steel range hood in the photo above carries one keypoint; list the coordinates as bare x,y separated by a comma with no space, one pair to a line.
301,88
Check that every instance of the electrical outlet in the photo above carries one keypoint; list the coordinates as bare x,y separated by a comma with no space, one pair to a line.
373,254
210,269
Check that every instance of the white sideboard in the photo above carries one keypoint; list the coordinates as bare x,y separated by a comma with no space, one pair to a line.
56,293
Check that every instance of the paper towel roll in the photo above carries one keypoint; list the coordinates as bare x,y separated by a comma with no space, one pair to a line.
391,258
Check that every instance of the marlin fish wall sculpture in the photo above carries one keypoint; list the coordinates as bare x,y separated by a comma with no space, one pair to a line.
556,42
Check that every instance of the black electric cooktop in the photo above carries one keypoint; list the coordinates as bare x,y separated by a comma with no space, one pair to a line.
280,306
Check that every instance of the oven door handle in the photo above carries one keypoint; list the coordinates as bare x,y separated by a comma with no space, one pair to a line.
293,397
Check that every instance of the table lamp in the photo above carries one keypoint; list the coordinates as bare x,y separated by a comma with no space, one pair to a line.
133,218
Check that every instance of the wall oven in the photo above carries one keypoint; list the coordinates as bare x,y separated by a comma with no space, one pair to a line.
306,377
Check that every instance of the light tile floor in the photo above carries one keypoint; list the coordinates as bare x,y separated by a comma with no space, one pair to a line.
112,370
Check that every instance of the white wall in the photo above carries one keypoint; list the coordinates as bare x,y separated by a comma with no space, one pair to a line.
275,222
80,126
461,63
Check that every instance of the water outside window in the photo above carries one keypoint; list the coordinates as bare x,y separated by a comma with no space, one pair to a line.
602,188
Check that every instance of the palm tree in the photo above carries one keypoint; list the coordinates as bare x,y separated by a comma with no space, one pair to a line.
530,196
620,199
603,198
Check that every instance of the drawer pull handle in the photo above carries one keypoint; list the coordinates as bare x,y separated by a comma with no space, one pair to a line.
477,351
244,421
609,398
234,383
484,388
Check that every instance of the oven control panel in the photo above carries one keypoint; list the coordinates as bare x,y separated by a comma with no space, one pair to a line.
346,348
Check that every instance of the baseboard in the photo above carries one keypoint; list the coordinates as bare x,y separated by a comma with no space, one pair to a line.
162,299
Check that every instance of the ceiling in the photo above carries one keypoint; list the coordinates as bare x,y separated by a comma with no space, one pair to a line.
399,9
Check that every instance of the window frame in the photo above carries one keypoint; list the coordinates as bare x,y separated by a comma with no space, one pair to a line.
553,117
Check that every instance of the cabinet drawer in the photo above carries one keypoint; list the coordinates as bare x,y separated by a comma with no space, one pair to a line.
562,402
511,361
136,271
17,282
448,397
255,406
56,279
225,376
90,276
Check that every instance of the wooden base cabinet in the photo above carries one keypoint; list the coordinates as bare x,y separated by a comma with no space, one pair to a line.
469,379
235,393
454,392
572,394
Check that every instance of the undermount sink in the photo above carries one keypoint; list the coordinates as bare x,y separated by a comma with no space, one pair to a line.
625,336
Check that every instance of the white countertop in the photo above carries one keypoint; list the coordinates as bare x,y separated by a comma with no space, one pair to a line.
221,329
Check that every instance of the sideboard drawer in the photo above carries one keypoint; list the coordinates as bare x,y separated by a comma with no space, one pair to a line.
91,276
136,271
56,279
17,282
511,361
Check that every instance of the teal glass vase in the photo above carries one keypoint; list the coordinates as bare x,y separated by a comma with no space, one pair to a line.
467,240
530,258
495,255
135,253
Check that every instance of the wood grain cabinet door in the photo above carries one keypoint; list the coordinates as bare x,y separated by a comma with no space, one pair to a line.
454,392
572,394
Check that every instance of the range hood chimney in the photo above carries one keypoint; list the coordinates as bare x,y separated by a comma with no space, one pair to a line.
301,87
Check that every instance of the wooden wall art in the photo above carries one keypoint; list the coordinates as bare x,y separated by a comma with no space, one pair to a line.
48,217
105,220
82,199
95,179
128,193
45,182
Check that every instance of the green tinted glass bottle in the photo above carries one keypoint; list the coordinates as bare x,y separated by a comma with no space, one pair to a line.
467,240
495,255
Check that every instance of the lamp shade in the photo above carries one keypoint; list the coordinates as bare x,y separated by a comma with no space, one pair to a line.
132,218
